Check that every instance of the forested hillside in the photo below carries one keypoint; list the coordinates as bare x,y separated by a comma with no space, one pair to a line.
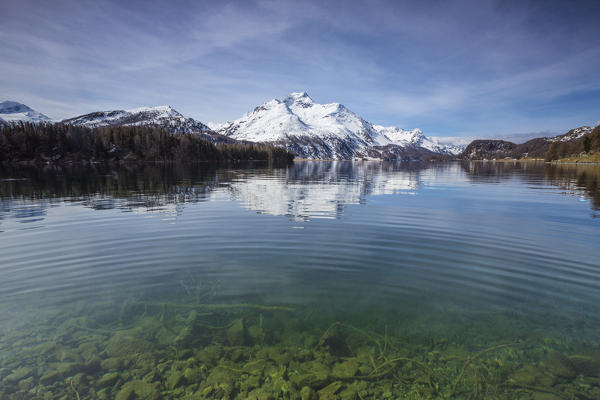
582,142
588,145
29,142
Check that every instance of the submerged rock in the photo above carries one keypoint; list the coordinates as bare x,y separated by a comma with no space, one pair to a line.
236,333
108,379
306,393
124,346
559,365
138,390
345,369
175,378
316,375
59,372
18,374
333,340
329,391
532,376
188,333
256,334
192,375
587,366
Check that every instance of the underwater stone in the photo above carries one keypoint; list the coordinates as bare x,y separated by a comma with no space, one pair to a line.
111,364
236,355
138,390
108,379
329,391
236,334
304,355
26,384
93,365
87,350
545,396
349,393
18,374
192,375
175,378
187,334
307,393
346,369
317,375
260,394
67,354
210,354
585,365
59,372
121,345
532,376
79,380
560,365
333,340
256,334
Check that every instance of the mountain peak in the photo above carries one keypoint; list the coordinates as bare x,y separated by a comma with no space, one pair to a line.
298,97
11,107
15,111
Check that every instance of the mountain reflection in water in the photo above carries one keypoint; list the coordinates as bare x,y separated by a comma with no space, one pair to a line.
304,191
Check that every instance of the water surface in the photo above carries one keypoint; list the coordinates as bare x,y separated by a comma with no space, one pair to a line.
321,280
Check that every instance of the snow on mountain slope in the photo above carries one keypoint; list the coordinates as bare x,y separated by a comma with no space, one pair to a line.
402,137
162,116
312,130
299,115
11,111
573,134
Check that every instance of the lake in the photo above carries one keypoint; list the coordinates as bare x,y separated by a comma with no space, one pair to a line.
322,280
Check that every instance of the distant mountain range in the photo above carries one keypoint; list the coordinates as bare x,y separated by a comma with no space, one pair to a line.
534,148
308,129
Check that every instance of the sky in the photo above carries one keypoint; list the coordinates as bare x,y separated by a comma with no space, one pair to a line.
464,68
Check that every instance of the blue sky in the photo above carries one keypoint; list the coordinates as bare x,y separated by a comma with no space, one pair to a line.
451,68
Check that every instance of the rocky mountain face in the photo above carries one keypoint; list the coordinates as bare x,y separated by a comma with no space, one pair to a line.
329,131
158,117
11,111
534,148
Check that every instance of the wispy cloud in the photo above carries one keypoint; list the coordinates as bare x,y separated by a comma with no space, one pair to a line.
452,68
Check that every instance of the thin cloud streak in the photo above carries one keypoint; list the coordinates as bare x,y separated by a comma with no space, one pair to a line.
454,69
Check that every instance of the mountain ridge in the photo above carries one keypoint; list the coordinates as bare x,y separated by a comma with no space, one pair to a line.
489,149
310,130
326,131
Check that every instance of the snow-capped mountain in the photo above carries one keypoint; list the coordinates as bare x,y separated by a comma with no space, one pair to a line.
162,117
11,111
402,137
312,130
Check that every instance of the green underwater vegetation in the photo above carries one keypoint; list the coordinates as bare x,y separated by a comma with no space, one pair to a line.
187,347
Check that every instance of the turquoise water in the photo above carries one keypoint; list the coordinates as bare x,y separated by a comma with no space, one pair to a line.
332,280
